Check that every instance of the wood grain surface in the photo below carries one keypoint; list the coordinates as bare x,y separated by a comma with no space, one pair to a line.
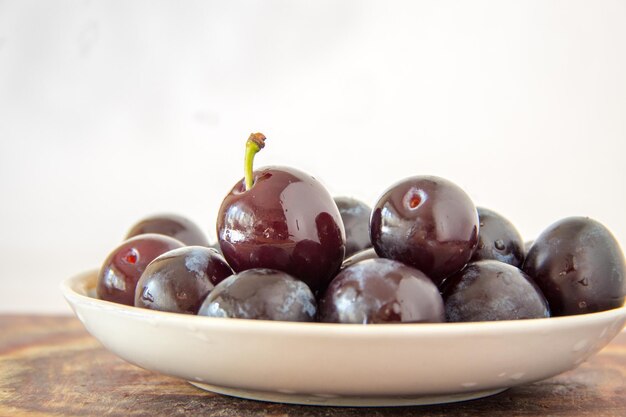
50,366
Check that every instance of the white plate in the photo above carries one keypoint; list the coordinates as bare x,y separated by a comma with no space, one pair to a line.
343,364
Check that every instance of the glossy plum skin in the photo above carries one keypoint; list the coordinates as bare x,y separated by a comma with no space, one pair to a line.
381,291
286,221
498,239
261,294
356,221
173,225
369,253
579,266
490,290
179,280
426,222
123,267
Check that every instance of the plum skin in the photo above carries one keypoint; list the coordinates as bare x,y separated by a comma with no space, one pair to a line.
381,291
178,281
579,266
176,226
491,290
427,222
287,221
356,221
261,294
123,267
498,239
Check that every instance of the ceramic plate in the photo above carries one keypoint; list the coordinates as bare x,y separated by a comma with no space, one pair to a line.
343,364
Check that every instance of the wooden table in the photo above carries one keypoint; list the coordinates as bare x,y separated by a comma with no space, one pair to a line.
50,366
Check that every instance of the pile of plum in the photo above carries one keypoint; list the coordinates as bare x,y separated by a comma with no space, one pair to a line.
288,251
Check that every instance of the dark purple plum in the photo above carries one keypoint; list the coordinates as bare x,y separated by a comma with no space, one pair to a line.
426,222
172,225
178,281
123,267
261,294
381,291
356,222
579,266
284,219
492,290
498,239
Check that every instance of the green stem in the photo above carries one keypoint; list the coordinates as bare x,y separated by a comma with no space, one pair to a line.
254,144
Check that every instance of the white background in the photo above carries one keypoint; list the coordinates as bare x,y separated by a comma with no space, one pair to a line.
113,110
